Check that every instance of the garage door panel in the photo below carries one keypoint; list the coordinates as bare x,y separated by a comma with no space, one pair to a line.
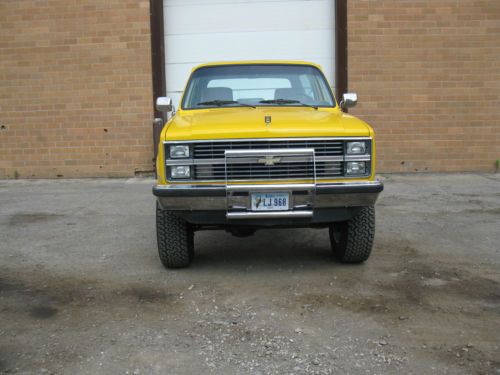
199,31
249,46
248,16
203,2
178,74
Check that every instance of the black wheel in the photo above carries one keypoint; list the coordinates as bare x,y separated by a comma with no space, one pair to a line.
175,239
352,240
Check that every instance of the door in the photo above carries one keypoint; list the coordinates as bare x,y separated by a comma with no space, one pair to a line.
198,31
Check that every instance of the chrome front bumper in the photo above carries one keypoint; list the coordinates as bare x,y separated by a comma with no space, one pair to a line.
235,199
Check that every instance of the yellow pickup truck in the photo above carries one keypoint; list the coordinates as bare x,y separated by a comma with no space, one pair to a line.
264,144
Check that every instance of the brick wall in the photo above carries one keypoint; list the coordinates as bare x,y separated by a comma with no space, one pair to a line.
76,95
75,88
428,78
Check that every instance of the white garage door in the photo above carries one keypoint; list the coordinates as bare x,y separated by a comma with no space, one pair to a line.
198,31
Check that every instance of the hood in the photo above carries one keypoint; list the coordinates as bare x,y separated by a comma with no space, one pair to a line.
247,122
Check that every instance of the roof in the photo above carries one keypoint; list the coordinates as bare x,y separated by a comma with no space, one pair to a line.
257,62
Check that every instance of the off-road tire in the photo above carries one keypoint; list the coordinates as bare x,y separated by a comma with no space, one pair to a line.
175,239
352,240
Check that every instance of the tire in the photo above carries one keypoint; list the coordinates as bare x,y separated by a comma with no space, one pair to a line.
352,240
175,239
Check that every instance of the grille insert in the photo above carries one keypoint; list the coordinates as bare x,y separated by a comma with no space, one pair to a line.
215,150
247,160
254,171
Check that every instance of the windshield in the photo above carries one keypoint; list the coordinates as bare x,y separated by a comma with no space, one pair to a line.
257,85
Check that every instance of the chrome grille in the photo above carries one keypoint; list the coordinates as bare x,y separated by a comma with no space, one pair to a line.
254,171
215,150
325,169
247,160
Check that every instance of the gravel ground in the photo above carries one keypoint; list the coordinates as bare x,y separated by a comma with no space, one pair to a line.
83,292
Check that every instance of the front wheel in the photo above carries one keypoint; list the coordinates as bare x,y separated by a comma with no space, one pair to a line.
352,240
175,239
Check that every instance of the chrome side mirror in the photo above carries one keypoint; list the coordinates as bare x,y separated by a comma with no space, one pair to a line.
164,104
349,99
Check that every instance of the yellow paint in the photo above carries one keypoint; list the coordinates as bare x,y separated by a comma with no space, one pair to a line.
257,62
247,122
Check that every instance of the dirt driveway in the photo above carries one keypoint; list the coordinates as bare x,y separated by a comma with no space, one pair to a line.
82,290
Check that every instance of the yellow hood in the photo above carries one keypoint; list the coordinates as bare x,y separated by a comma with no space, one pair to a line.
247,122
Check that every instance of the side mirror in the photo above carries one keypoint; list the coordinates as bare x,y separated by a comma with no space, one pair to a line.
349,99
164,104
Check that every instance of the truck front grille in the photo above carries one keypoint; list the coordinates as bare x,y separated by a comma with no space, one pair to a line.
255,171
214,150
246,160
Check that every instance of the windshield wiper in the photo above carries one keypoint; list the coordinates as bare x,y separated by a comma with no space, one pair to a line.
287,101
220,103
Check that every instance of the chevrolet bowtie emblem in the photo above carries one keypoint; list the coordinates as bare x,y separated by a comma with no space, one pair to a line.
269,160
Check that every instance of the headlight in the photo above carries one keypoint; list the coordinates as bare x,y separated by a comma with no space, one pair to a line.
356,168
179,151
356,148
180,171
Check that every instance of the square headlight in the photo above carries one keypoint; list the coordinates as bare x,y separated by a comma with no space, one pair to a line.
356,168
180,171
179,151
356,148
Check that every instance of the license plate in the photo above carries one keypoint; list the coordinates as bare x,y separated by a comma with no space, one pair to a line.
270,201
